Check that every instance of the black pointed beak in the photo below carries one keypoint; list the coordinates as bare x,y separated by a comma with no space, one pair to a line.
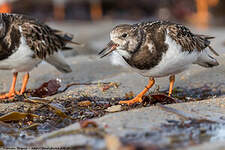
111,46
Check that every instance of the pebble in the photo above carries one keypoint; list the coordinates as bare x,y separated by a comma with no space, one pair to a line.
84,103
114,108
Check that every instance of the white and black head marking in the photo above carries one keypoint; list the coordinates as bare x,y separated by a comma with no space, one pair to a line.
138,44
126,39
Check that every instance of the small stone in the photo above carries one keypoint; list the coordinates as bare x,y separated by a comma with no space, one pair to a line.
84,103
114,108
42,118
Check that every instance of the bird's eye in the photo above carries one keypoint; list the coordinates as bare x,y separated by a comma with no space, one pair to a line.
124,35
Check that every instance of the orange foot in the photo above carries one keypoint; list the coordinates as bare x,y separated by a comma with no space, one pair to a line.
9,95
137,99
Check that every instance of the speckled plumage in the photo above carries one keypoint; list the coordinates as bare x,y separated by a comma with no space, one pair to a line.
158,49
25,42
145,44
43,40
181,34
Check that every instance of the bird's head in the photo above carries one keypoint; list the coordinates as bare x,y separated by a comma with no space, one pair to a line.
125,39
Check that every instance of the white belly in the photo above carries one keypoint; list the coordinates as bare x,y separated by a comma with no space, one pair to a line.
21,60
173,61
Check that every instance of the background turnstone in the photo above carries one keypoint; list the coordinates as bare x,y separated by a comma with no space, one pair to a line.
25,42
158,49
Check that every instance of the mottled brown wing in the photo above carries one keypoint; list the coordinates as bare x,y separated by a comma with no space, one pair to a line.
42,39
10,43
188,40
10,37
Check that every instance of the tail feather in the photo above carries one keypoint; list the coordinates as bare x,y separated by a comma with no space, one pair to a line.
213,51
58,61
66,37
66,48
75,43
205,60
207,39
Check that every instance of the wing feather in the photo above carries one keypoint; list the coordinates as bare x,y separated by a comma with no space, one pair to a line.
189,41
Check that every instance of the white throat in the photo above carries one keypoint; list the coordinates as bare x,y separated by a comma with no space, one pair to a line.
123,53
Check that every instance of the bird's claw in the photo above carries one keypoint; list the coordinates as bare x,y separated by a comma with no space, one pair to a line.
9,95
137,99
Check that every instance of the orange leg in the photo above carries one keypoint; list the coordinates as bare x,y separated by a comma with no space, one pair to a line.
25,81
138,98
12,91
172,80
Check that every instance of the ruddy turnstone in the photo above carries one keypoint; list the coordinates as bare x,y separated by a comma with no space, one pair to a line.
159,49
25,42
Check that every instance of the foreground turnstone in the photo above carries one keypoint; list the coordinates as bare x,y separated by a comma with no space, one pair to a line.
158,49
25,42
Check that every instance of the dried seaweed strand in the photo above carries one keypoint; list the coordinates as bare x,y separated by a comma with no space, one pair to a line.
76,83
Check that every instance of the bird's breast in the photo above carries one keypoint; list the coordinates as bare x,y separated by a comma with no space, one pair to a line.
145,58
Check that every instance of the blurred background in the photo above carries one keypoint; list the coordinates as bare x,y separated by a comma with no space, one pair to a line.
200,12
91,20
